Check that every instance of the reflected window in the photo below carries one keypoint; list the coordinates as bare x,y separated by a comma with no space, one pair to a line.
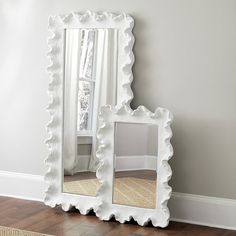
86,83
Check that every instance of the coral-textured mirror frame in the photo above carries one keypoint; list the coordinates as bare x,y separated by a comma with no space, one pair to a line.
57,25
106,136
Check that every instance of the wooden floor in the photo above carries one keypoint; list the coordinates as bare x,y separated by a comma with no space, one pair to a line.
35,216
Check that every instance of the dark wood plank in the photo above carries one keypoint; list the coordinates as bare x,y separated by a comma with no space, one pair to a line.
80,176
142,174
35,216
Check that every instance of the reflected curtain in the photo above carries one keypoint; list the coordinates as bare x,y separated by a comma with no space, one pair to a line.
105,73
72,57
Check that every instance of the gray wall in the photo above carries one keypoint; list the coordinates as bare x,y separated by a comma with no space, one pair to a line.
185,61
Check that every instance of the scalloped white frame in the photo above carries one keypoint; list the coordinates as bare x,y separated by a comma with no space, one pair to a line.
57,25
105,152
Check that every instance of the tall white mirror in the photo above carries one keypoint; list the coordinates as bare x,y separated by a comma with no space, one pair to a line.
91,66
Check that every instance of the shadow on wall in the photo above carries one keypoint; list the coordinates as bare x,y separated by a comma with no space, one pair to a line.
195,142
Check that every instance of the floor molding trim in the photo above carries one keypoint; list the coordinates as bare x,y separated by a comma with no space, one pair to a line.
23,186
187,208
203,210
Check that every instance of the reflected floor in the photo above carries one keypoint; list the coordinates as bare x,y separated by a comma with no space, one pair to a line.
133,188
83,183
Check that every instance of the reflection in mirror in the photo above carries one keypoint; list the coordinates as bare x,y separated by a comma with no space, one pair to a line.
89,82
135,164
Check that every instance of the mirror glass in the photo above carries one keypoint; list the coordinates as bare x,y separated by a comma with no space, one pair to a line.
90,78
135,164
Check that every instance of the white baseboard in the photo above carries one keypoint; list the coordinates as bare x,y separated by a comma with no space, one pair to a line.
187,208
24,186
203,210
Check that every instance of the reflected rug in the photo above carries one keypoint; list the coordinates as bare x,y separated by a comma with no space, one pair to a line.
128,190
6,231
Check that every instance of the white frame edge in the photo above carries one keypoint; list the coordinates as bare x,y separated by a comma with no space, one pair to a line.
163,118
53,177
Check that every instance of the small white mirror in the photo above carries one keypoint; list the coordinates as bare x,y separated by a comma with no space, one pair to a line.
134,148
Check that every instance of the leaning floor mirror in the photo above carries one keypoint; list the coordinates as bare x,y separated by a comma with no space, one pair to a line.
90,66
134,148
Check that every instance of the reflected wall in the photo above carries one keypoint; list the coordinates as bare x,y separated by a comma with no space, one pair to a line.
135,164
